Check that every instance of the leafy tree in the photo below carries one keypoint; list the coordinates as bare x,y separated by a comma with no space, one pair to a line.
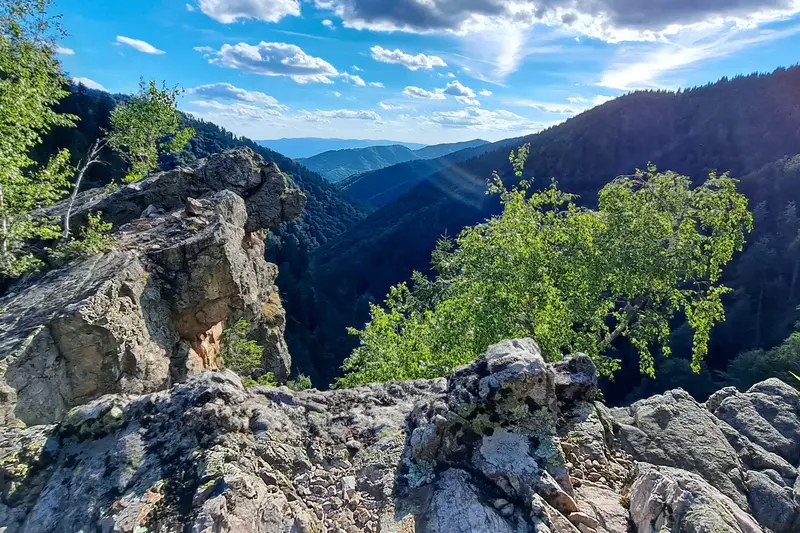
94,238
31,82
575,279
752,366
142,129
243,355
146,126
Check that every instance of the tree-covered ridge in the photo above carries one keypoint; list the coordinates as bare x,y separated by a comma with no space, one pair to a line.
337,165
381,187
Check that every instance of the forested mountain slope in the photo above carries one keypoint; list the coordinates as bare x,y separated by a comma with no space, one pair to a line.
381,187
736,125
438,150
336,165
311,146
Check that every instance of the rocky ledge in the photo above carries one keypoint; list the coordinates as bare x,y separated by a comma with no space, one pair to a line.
152,310
508,443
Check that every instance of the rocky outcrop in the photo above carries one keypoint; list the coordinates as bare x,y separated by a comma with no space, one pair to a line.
151,311
269,199
508,443
745,445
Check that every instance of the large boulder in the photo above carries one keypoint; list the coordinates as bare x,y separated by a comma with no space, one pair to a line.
672,429
269,199
153,309
665,499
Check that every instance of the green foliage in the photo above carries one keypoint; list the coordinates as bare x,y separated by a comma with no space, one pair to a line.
300,383
753,366
574,279
31,82
147,126
94,238
243,355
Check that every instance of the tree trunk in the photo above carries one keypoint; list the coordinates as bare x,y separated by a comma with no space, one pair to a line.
91,158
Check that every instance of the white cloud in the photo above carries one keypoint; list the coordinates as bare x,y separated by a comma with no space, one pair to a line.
455,88
65,51
141,46
203,49
498,32
226,91
485,92
574,105
398,57
377,84
355,68
229,11
337,94
416,92
475,117
390,107
89,84
235,110
355,80
189,7
645,68
275,59
327,23
466,100
347,114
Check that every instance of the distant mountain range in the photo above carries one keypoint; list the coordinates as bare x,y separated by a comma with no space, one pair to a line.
311,146
337,165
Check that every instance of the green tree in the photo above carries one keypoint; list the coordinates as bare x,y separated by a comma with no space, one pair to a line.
31,82
142,129
575,279
147,126
242,355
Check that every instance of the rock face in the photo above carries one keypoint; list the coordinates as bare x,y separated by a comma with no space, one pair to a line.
151,311
268,198
744,445
508,443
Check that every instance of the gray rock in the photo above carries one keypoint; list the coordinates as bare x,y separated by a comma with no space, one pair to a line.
140,317
268,197
772,503
665,499
768,415
672,429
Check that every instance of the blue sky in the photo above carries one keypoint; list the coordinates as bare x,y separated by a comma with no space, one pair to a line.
425,71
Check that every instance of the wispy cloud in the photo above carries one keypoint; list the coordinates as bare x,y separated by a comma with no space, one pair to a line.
141,46
89,84
65,51
637,69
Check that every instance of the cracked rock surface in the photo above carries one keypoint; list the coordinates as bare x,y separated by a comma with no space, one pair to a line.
508,443
152,310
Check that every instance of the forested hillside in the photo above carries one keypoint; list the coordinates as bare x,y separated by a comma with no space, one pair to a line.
736,125
337,165
439,150
381,187
311,146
